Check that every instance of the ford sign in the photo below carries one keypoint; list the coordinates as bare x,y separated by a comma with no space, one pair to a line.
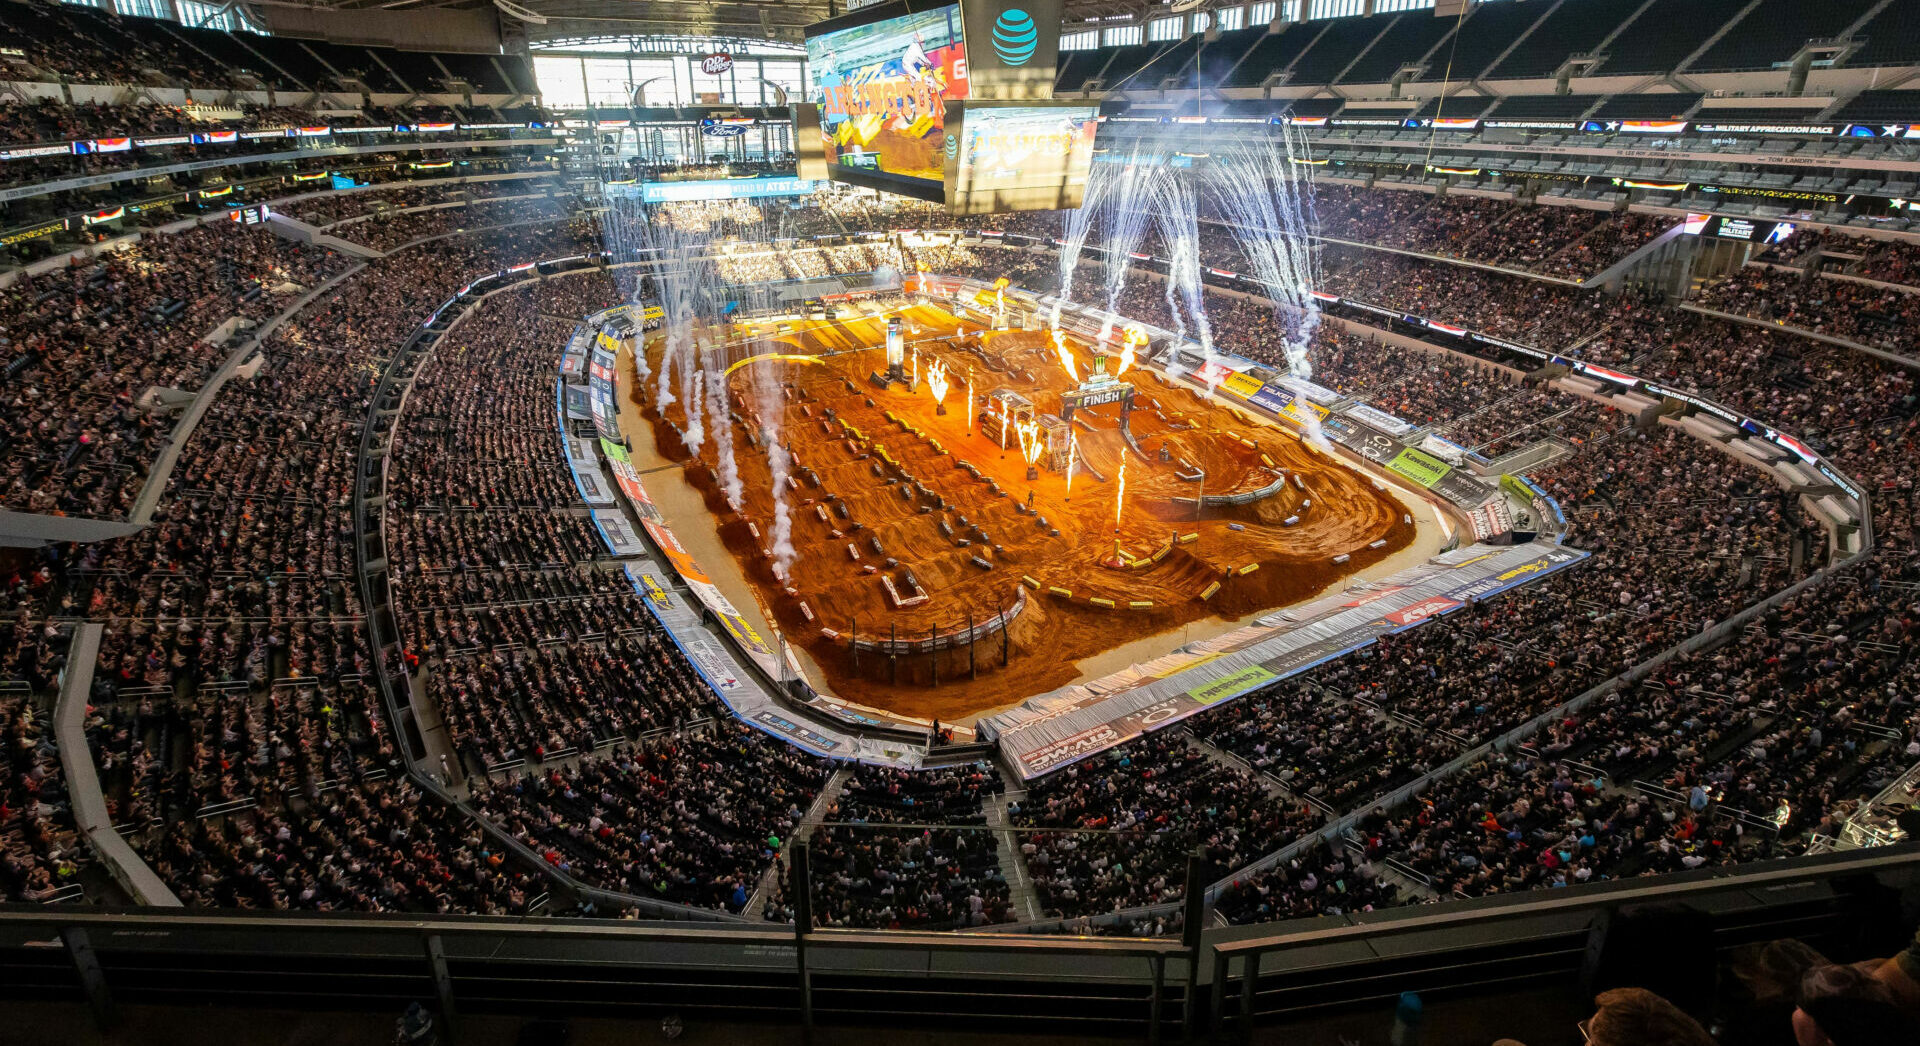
716,63
723,128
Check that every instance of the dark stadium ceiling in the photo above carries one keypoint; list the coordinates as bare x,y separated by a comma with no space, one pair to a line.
782,20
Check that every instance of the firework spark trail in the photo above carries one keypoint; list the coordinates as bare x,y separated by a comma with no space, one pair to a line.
1266,198
1180,228
1267,202
1073,459
1076,225
1127,203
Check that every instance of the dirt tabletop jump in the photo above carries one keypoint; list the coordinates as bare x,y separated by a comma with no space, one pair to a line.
903,528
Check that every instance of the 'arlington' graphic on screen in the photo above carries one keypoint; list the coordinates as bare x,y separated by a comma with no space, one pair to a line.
1019,157
882,87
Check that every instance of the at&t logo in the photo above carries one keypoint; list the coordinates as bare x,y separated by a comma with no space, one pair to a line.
1015,36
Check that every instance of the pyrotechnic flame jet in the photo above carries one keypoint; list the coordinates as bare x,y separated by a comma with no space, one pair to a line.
1066,355
937,380
1136,337
1030,442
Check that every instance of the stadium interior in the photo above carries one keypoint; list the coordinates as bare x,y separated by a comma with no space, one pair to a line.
1310,521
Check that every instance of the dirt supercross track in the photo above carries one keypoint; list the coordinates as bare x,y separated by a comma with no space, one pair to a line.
911,525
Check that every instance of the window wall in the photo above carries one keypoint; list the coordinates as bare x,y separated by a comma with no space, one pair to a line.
572,80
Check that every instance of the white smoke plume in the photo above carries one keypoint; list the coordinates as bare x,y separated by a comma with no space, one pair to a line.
772,411
728,468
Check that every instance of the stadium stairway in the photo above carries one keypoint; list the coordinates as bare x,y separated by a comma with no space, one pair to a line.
829,794
1013,864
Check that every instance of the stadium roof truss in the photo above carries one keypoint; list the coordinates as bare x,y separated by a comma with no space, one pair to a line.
783,20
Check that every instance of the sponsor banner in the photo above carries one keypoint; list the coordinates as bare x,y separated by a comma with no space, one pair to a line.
1364,440
1419,466
1415,613
713,663
1446,450
1517,487
1231,686
33,232
1797,448
1212,373
1369,597
107,145
1316,393
435,128
1459,487
1242,385
724,189
1648,126
617,533
593,488
313,132
1609,375
28,152
253,135
600,389
216,137
165,139
1379,419
1283,402
793,732
1056,754
1767,128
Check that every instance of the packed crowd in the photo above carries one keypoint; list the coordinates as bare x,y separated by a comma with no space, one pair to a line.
385,231
528,649
233,678
1114,832
939,869
1886,260
87,340
695,818
1876,316
1567,242
41,854
327,208
49,120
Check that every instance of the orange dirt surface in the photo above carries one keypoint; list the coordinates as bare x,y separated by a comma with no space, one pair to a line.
838,572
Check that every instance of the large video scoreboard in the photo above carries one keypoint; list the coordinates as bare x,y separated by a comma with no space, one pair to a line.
949,102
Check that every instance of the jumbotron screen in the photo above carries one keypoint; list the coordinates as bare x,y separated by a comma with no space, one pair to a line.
882,88
1019,157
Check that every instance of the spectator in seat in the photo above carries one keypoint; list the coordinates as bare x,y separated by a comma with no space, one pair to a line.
1638,1017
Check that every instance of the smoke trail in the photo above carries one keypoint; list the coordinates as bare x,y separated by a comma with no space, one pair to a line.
691,387
729,469
772,411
